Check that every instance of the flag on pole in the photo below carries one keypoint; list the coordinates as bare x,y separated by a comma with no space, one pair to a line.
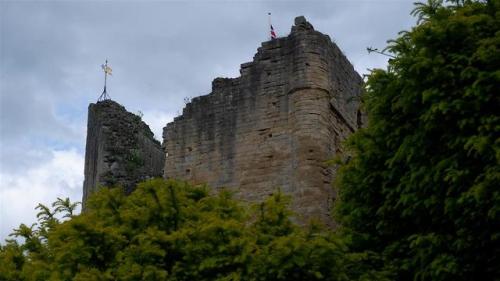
272,33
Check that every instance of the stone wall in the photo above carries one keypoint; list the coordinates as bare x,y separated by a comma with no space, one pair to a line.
272,127
120,150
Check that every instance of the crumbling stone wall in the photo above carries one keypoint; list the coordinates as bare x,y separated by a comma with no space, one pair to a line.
121,149
273,127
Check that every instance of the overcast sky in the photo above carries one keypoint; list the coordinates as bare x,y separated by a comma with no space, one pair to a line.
160,52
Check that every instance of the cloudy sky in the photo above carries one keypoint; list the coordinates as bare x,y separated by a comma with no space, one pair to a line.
160,52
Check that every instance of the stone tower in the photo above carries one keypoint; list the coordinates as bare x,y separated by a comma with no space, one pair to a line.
120,150
273,127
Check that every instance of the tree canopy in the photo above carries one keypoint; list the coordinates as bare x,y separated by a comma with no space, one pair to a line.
169,230
422,190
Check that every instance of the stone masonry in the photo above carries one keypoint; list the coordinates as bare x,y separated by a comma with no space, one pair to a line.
121,149
273,127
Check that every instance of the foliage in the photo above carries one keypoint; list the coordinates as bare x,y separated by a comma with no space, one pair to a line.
134,160
421,193
169,230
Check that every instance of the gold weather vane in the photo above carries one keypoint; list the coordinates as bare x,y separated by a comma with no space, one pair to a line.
107,71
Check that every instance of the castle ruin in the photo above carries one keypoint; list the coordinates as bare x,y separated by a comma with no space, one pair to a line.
120,150
273,127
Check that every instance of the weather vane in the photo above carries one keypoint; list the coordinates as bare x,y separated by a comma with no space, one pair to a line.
107,71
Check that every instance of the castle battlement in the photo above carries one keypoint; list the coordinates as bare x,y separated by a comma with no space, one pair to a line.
273,127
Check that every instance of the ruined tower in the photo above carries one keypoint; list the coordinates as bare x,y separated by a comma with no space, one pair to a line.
273,127
120,150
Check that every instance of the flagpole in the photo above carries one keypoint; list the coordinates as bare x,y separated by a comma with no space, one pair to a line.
269,21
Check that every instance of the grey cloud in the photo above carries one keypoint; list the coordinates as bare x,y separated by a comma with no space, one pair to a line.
161,52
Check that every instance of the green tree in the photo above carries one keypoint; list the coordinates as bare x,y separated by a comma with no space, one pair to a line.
421,194
12,261
65,205
169,230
